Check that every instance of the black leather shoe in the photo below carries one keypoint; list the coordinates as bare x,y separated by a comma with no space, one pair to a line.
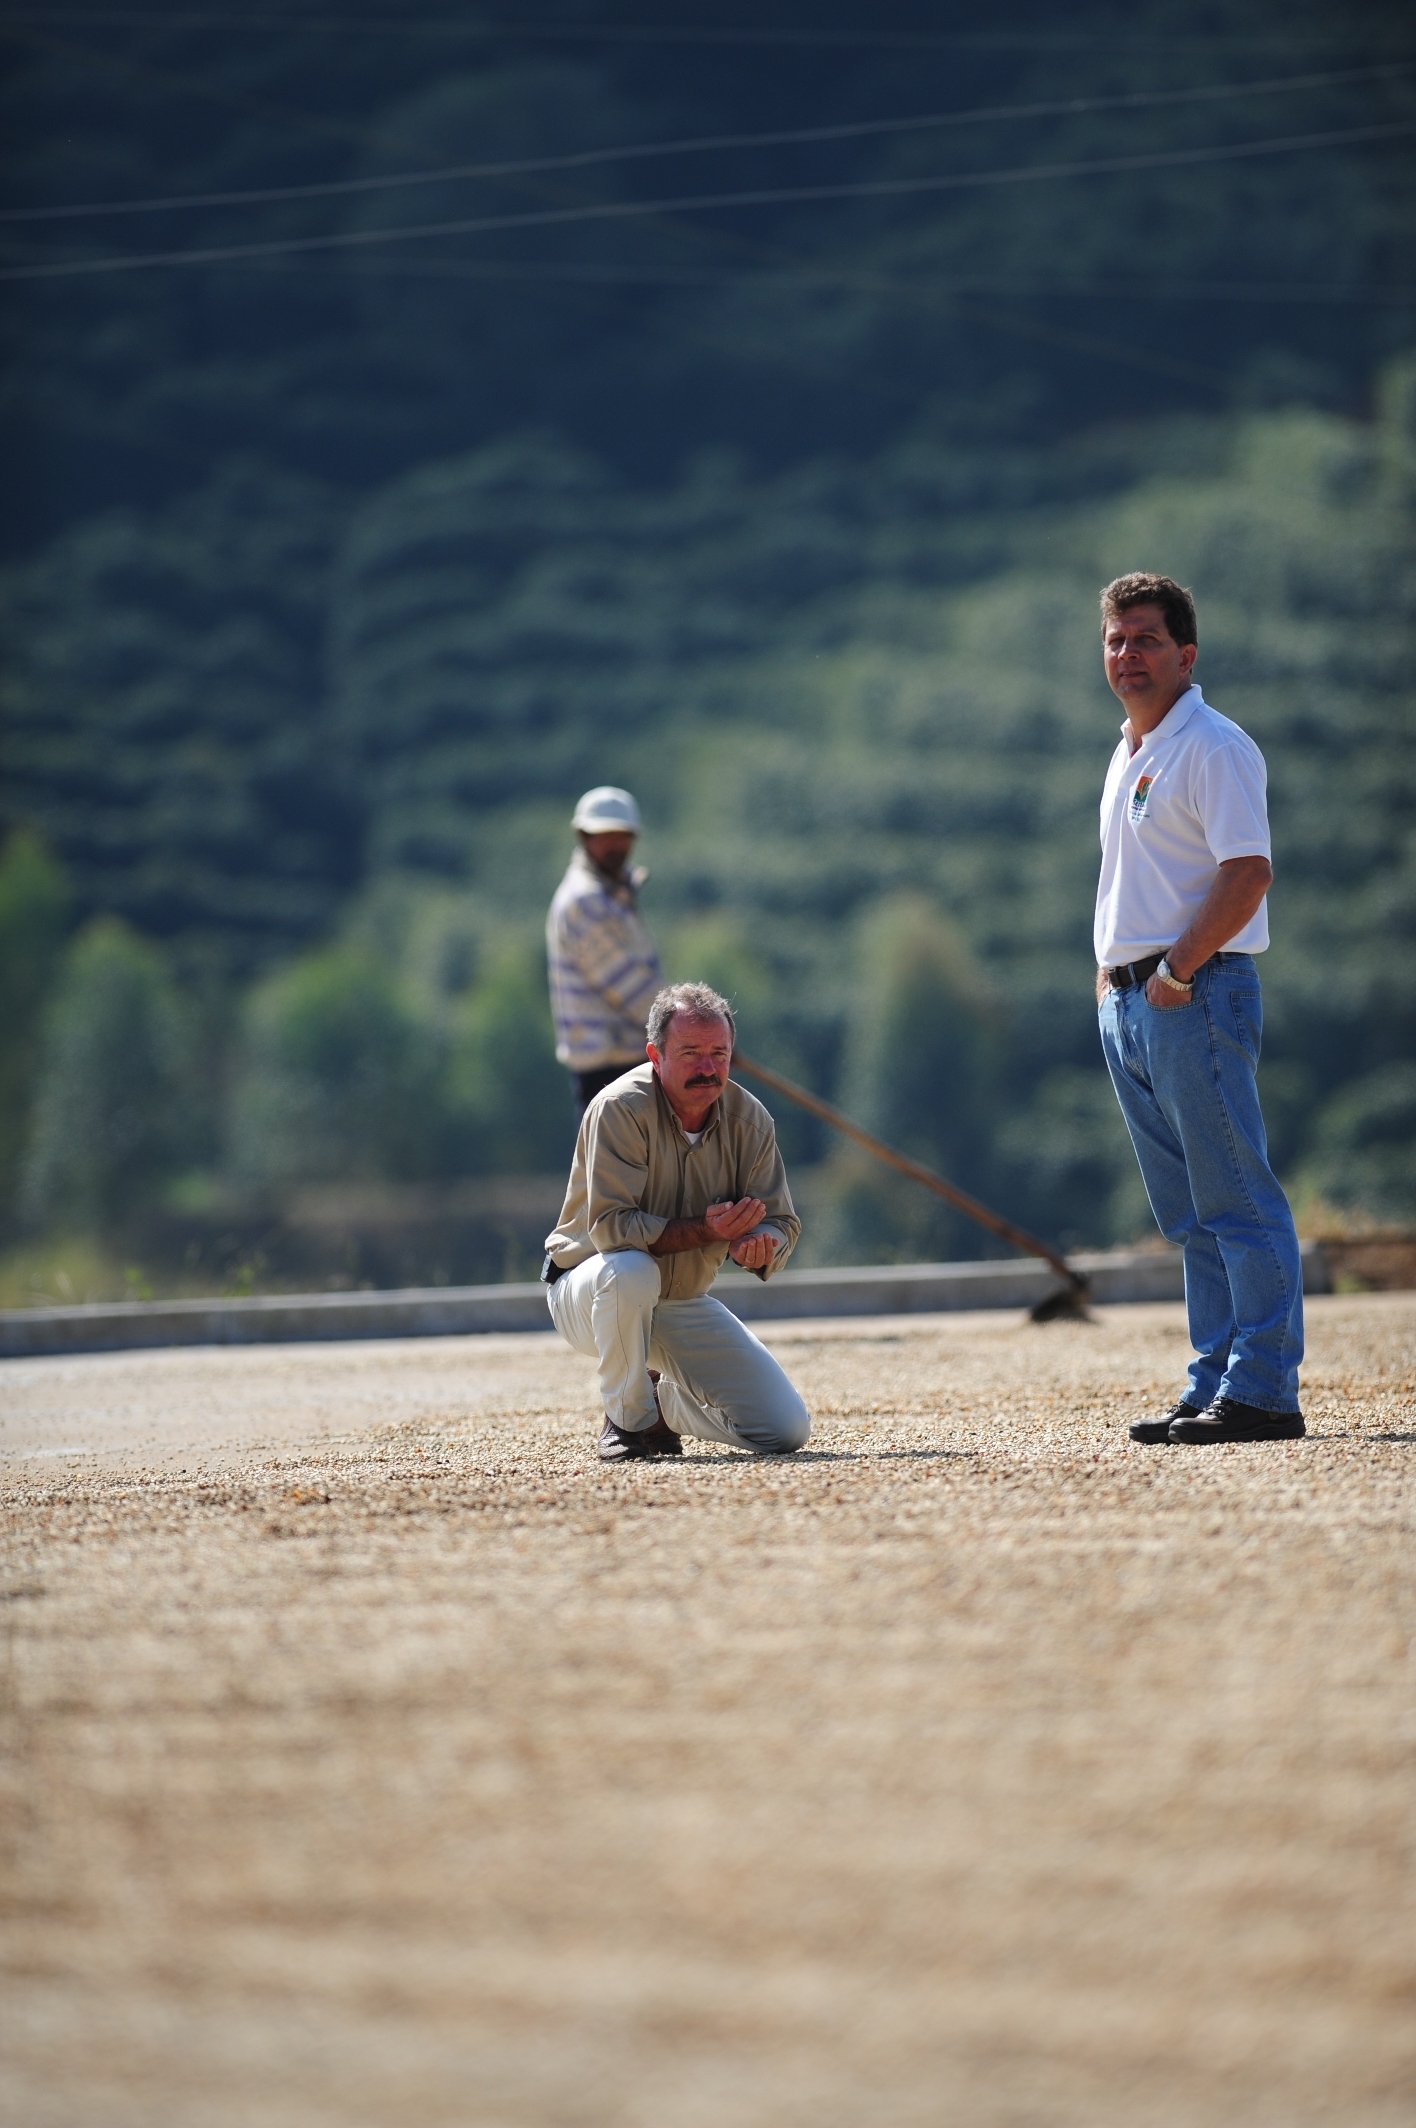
1228,1420
617,1444
1159,1429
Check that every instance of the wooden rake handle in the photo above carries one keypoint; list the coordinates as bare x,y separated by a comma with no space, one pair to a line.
1018,1237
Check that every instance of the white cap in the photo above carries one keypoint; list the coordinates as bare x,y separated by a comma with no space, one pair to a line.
607,810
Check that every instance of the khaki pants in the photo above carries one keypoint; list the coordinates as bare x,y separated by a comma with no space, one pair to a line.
719,1382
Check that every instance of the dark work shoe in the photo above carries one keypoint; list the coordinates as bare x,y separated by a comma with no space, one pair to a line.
1228,1420
618,1444
1159,1429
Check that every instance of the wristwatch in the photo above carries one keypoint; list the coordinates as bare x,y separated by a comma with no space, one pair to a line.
1163,971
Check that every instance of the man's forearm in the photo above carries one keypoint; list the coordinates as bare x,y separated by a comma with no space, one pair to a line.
1239,886
681,1234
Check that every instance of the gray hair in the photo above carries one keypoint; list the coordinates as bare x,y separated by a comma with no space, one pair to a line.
695,1001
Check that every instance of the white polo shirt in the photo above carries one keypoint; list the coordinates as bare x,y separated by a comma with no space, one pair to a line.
1191,797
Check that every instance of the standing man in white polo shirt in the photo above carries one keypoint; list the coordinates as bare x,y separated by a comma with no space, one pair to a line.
603,968
1180,913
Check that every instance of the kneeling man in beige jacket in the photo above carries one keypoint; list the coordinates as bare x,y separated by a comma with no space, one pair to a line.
676,1167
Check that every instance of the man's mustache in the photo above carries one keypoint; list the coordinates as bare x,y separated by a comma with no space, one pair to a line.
704,1079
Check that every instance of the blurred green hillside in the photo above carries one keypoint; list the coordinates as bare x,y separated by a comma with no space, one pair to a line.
868,729
332,582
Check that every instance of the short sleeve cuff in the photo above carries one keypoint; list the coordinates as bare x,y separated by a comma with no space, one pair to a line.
1226,852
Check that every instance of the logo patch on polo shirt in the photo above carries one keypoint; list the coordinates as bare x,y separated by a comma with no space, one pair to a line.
1139,796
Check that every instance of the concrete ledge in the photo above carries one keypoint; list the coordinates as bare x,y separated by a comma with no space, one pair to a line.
274,1319
1119,1275
461,1311
935,1289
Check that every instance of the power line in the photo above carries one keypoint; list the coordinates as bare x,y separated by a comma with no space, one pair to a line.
697,203
1392,295
676,33
711,143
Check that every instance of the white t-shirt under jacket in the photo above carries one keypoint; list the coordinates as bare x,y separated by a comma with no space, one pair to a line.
1189,798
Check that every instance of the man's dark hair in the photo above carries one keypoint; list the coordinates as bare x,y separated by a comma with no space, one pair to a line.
1140,588
695,1001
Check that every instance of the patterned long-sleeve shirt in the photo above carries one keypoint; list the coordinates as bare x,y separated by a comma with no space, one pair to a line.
603,967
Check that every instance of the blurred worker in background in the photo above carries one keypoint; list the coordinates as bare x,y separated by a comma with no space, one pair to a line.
603,967
1180,914
676,1168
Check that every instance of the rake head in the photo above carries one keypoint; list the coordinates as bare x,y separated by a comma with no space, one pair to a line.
1067,1305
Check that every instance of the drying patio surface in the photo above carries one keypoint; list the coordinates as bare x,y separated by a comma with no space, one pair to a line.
375,1759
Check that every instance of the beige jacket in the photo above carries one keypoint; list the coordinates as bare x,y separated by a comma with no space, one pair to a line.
634,1171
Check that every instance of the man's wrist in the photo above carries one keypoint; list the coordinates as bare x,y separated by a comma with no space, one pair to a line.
1171,975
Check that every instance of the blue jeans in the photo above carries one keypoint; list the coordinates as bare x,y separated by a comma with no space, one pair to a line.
1185,1078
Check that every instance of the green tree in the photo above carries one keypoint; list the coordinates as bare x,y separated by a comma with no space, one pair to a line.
159,715
921,1037
1066,1160
113,1114
920,1058
1364,1145
511,1097
715,949
339,1080
34,912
